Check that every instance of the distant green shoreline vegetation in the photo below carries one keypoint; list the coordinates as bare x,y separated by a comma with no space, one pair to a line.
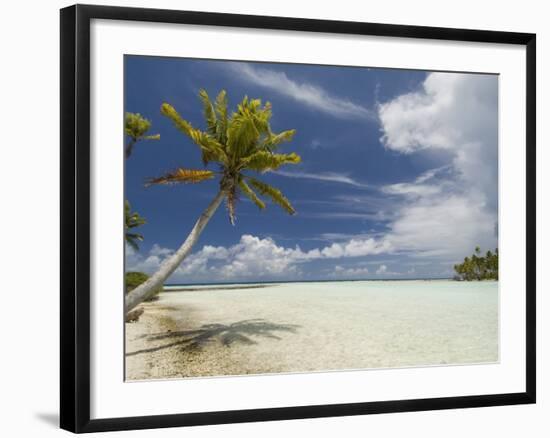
134,279
478,267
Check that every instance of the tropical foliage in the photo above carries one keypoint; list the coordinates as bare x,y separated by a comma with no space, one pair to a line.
136,127
134,279
478,267
132,220
241,145
238,144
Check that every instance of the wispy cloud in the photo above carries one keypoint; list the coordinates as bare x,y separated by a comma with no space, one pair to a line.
411,189
309,94
373,216
323,176
431,173
315,143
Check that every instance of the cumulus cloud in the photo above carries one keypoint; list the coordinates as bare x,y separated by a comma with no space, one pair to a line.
443,226
357,248
340,271
449,110
308,94
383,271
449,210
257,257
454,112
252,257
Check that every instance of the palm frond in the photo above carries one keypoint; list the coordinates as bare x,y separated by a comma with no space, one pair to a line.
183,125
241,133
274,140
245,188
273,193
135,125
263,161
130,240
135,220
181,175
248,126
211,149
262,116
209,113
221,110
134,237
151,137
132,220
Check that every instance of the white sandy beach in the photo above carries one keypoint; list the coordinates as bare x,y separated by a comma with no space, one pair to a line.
299,327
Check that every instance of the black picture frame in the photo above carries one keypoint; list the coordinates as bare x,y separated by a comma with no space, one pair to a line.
75,217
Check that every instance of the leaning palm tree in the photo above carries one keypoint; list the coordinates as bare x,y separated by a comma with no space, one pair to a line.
239,144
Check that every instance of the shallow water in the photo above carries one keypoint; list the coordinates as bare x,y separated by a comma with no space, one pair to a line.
293,327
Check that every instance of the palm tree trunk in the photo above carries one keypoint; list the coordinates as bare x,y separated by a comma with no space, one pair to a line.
129,148
144,290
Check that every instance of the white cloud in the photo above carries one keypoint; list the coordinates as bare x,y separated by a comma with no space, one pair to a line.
453,112
323,176
424,184
430,174
411,189
450,225
357,248
385,272
251,257
315,143
377,216
340,271
310,95
450,109
449,210
256,257
157,250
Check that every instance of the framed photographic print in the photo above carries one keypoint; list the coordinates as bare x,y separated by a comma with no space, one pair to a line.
271,218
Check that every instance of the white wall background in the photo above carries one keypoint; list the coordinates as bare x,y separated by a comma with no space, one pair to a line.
29,217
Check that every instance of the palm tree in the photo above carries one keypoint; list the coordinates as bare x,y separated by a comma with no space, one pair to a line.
478,267
136,127
239,144
132,220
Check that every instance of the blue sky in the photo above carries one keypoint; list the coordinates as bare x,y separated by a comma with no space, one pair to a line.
398,177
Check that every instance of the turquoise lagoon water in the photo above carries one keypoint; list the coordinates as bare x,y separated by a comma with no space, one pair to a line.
353,324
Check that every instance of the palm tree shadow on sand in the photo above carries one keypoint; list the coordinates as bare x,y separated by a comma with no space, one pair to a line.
227,334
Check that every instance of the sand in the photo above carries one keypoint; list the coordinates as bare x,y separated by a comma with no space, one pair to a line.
303,327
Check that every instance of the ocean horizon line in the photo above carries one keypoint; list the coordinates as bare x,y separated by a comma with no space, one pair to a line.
305,281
